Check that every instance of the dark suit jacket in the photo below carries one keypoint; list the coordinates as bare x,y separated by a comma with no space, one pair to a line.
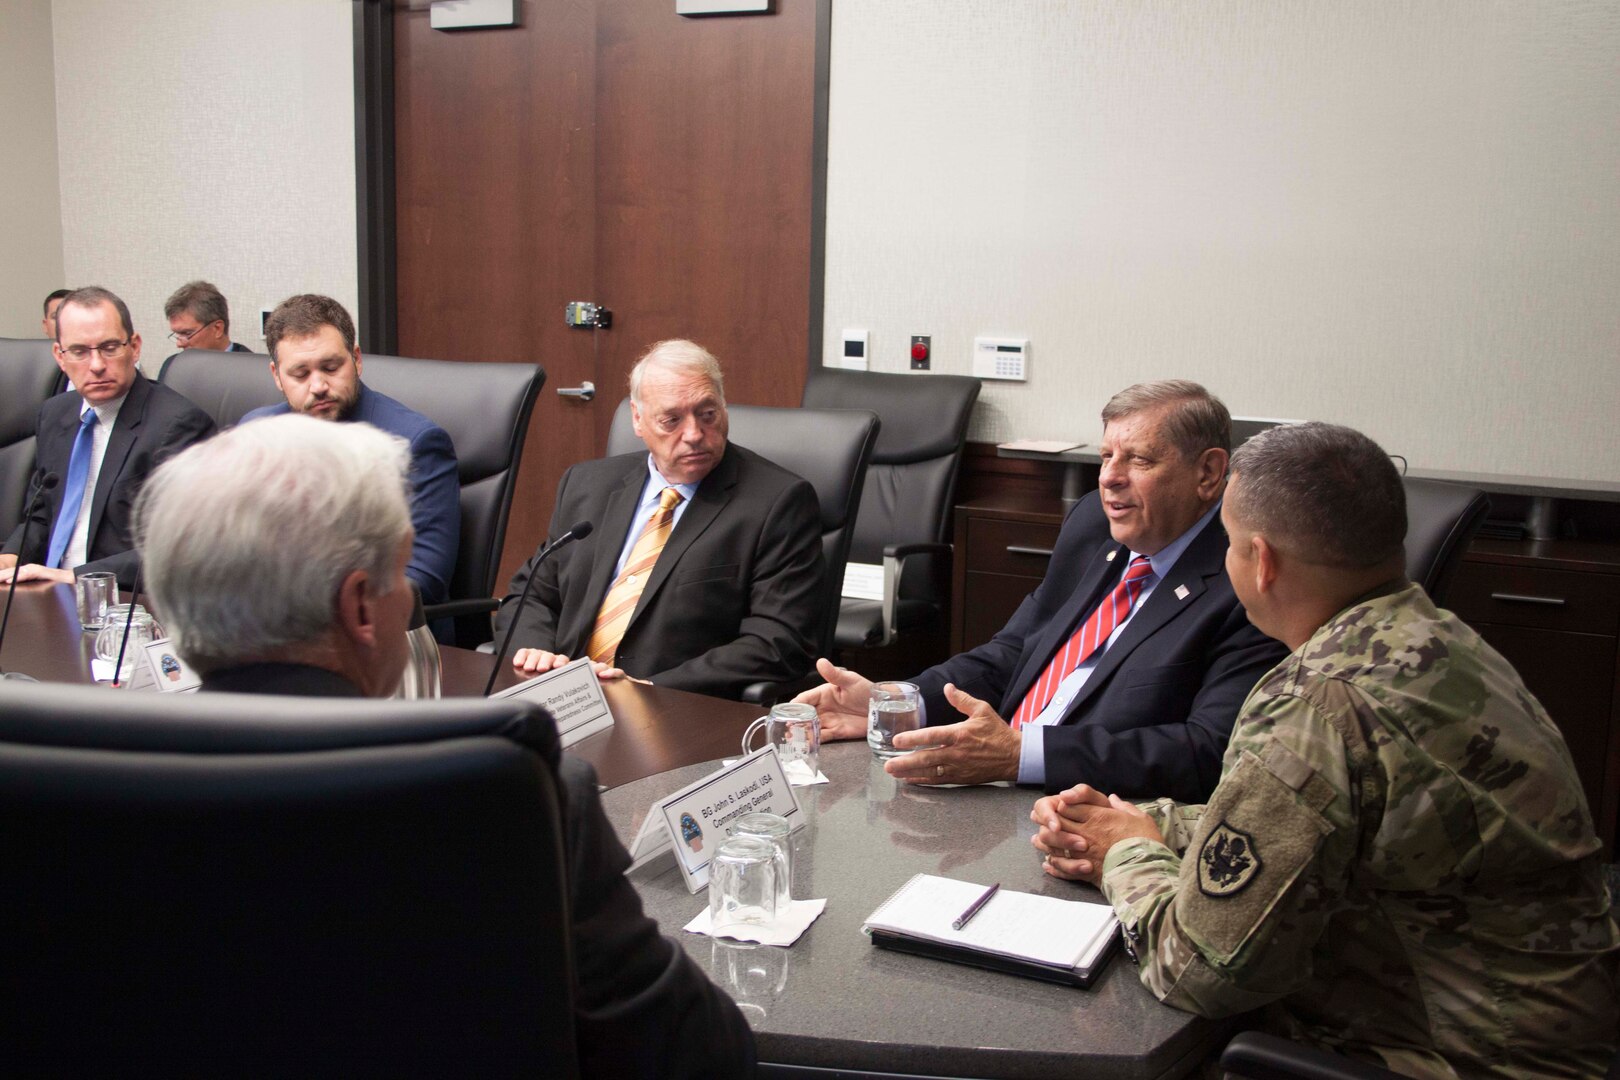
1155,715
642,1007
435,486
734,599
154,423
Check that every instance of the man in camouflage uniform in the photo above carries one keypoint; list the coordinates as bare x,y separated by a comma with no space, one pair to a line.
1398,858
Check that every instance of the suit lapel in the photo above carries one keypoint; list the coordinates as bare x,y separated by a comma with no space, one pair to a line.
616,517
710,498
1188,580
119,443
1102,571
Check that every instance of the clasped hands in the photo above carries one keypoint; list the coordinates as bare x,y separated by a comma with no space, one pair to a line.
531,662
31,572
1079,826
977,750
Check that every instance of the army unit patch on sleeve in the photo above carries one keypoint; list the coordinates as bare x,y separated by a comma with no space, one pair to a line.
1227,862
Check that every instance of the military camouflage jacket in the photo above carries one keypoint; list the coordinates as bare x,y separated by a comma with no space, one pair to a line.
1399,856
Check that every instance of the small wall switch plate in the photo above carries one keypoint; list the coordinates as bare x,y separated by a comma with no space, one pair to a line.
264,320
857,350
1001,358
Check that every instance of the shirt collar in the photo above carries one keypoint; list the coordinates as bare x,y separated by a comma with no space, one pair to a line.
656,484
1166,559
106,411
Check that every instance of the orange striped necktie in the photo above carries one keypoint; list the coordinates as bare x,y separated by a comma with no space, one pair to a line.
614,617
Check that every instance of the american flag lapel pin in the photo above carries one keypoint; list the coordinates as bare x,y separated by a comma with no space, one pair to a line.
1181,592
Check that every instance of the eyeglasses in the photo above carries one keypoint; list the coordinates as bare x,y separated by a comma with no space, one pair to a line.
108,350
182,336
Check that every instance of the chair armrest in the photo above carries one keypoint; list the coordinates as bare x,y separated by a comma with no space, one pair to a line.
894,557
451,609
1258,1056
767,694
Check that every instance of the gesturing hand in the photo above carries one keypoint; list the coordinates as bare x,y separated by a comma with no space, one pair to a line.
977,750
840,702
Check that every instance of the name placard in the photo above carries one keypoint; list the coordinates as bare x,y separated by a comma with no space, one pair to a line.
171,674
695,819
573,695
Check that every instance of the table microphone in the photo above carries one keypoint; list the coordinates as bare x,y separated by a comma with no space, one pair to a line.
580,531
42,482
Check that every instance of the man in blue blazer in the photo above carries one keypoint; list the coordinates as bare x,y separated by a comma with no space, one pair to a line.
317,367
1126,667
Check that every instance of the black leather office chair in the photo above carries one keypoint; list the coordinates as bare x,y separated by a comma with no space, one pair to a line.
1440,520
1255,1055
28,378
484,407
830,449
905,514
225,885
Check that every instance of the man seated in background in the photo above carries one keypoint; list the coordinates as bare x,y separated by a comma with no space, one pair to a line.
199,318
1399,854
101,441
316,366
277,556
47,324
1125,668
704,569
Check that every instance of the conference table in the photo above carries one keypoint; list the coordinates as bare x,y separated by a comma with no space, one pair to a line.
654,728
832,1004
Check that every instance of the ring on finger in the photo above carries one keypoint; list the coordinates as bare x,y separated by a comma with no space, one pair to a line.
939,770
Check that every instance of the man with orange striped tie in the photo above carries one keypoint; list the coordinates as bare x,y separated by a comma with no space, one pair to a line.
704,566
1126,667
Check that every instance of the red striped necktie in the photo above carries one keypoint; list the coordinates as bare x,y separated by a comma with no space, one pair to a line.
1114,609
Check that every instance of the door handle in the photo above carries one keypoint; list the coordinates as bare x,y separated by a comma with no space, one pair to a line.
584,391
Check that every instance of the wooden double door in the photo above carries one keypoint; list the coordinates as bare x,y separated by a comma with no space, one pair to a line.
609,151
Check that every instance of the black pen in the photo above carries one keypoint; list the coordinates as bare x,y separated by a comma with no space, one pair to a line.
977,906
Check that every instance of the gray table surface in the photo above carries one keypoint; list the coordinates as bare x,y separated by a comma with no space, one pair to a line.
834,1001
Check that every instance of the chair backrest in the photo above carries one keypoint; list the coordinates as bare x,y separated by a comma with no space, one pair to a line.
911,481
224,884
484,407
28,378
1440,520
829,448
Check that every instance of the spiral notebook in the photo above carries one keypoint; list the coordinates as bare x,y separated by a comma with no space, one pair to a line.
1042,937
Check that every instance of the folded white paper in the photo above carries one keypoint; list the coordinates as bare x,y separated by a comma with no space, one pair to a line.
798,773
784,931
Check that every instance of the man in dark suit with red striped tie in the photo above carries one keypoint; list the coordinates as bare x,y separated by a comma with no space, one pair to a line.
1126,668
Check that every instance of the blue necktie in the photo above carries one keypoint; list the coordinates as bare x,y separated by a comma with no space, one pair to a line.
73,497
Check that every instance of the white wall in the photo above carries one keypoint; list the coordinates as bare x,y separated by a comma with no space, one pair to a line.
1404,217
30,205
211,139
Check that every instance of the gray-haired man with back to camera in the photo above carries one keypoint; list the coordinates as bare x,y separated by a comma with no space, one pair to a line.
315,518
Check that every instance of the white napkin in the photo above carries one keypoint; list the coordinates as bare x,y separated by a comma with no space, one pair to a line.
784,931
797,772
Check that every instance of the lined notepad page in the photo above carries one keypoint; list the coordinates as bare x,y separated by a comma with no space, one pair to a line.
1040,929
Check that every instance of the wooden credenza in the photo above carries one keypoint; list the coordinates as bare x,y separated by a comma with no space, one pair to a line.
1551,607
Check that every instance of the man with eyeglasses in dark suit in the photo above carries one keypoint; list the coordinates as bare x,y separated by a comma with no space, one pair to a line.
101,441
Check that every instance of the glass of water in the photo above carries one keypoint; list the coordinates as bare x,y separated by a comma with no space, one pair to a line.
893,709
743,878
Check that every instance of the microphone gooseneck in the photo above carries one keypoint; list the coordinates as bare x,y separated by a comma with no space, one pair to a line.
42,482
580,531
129,619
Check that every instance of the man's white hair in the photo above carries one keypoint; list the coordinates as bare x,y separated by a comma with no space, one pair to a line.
678,354
246,537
